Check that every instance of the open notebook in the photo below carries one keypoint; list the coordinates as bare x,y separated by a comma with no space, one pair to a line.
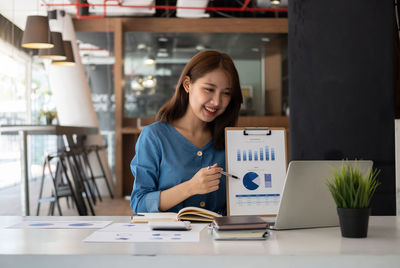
185,214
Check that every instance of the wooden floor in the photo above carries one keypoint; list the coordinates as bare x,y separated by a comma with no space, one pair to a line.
10,203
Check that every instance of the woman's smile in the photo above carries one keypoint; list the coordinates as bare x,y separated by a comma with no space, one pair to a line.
211,110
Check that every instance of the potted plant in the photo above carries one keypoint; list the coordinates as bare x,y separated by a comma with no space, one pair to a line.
48,115
352,191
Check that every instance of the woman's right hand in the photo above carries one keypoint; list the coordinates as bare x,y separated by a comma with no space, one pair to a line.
206,180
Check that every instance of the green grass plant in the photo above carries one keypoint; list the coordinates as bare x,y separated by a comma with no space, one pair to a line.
350,188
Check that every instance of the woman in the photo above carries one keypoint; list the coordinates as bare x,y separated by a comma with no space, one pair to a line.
179,158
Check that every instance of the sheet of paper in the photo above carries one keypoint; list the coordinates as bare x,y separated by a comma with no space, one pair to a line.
142,233
60,225
126,227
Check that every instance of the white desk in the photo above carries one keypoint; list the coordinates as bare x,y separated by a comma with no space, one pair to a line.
24,131
296,248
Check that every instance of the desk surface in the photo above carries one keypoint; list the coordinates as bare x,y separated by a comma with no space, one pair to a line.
306,247
48,129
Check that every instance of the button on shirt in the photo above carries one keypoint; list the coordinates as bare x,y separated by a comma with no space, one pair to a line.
164,158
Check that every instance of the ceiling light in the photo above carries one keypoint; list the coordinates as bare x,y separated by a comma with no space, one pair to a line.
141,46
37,33
161,54
275,2
149,82
265,39
57,52
136,85
200,47
162,39
149,60
163,72
69,53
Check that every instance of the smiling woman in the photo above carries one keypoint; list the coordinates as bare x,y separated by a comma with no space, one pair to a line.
257,47
188,140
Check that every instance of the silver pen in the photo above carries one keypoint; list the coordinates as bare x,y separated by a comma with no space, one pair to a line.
228,175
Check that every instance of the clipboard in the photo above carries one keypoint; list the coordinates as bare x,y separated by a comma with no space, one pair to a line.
258,157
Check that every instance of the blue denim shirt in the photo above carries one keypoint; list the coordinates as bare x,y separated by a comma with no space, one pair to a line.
164,158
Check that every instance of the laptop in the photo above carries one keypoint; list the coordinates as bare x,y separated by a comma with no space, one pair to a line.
306,201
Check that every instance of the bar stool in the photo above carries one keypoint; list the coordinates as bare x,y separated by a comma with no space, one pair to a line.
61,184
88,175
81,181
95,149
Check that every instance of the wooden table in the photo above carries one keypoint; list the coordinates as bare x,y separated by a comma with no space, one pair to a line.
24,131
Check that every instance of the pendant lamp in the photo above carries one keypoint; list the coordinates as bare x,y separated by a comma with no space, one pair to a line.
57,52
69,61
37,33
149,60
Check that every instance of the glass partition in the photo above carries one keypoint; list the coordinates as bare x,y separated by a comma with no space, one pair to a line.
154,61
97,53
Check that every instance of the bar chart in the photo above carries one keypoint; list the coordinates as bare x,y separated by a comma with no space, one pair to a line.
262,154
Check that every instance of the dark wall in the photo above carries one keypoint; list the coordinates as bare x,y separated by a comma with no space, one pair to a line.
341,86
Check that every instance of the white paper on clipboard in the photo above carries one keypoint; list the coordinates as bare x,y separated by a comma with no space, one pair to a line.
258,157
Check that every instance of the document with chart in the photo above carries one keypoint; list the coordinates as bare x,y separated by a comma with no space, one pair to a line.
257,156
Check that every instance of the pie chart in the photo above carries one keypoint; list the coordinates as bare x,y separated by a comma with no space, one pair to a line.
251,181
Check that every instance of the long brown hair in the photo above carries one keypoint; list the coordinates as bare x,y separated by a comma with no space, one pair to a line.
201,64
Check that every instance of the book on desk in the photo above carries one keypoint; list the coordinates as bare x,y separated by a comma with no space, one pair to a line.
239,228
